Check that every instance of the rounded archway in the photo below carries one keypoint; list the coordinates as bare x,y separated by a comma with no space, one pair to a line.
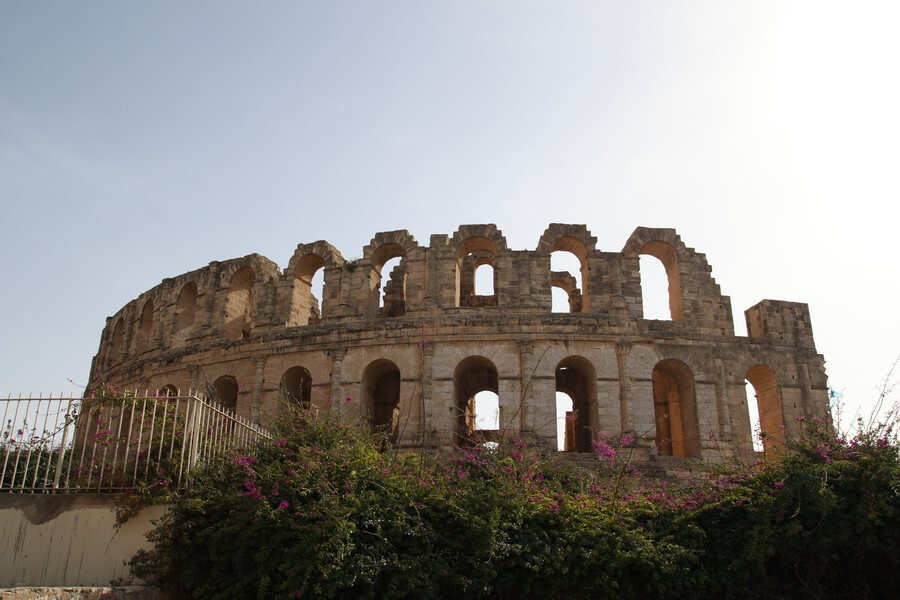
575,377
239,305
675,408
296,386
226,388
472,375
768,404
381,397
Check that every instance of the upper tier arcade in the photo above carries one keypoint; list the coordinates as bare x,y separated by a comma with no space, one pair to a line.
410,353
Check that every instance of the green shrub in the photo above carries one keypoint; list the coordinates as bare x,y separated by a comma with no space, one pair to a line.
324,512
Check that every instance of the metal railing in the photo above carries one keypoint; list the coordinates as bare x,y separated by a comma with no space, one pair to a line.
71,444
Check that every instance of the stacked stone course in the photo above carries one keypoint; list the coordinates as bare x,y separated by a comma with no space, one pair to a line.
411,361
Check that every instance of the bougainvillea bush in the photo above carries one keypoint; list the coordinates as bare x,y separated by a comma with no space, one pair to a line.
324,511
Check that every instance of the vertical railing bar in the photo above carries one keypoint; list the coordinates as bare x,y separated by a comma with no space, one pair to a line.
127,443
94,449
150,442
175,427
9,445
184,436
137,451
50,453
37,467
87,430
24,430
62,446
202,434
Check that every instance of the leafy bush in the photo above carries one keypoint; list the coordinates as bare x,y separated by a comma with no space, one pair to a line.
325,512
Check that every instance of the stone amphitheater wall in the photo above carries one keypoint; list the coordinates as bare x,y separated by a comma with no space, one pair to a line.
250,331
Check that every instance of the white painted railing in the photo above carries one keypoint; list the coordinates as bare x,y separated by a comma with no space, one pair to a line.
71,444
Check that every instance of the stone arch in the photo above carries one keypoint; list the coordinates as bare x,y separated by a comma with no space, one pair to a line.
185,311
380,397
239,304
471,253
567,283
226,388
769,404
383,247
577,240
296,386
167,390
675,409
666,246
145,326
576,376
668,256
303,266
473,374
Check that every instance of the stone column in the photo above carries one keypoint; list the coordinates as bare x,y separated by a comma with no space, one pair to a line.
260,363
722,401
622,350
194,372
337,359
427,392
526,366
212,288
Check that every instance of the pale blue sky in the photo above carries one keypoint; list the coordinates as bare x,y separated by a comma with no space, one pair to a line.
141,141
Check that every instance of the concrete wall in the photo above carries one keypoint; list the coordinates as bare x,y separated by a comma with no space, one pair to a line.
67,540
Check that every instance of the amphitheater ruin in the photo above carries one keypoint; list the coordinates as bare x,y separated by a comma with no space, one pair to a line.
411,355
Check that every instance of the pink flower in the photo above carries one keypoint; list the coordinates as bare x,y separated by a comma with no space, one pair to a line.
284,504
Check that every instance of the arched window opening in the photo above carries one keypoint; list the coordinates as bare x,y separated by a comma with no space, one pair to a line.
473,376
674,404
167,390
381,397
654,289
565,423
767,392
387,280
116,344
753,411
393,285
484,279
575,399
185,310
565,282
296,386
225,392
472,255
569,271
661,288
306,305
239,305
483,412
145,333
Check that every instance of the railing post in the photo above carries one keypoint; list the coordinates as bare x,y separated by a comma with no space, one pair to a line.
62,447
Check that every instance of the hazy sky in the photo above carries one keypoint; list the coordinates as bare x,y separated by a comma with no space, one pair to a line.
139,141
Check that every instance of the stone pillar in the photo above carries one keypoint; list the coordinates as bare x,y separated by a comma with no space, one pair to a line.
722,401
526,366
622,351
260,364
337,359
427,392
194,373
212,288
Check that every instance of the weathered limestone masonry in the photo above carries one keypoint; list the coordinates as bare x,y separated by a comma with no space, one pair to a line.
412,360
